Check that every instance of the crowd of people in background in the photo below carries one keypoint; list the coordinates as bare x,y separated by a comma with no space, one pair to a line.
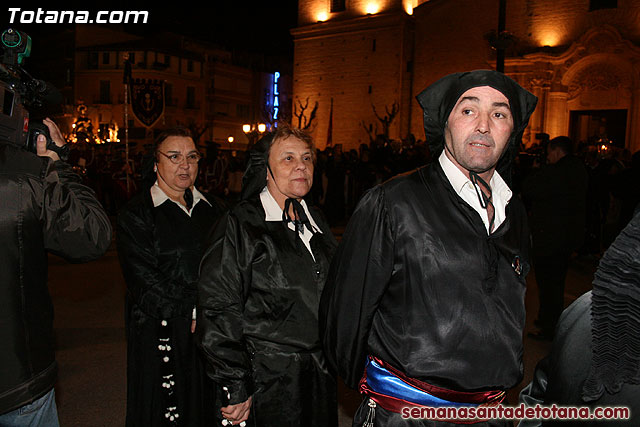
342,177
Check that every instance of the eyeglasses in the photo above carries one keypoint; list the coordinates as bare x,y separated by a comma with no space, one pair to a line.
178,158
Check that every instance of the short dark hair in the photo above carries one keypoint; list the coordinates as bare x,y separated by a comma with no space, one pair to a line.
563,143
169,132
284,131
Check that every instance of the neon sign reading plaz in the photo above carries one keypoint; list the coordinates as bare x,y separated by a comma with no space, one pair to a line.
276,93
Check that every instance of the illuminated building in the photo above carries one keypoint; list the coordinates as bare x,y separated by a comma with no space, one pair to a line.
99,71
205,87
580,57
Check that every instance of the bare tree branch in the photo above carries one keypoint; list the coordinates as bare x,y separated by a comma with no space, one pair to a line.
305,122
388,118
372,133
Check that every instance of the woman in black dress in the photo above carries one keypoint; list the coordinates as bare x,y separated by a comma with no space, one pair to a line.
259,291
160,236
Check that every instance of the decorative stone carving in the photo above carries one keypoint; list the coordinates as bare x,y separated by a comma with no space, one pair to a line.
603,41
600,78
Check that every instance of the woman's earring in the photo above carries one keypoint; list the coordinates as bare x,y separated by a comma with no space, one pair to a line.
155,168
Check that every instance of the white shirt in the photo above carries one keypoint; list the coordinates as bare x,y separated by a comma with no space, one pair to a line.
158,196
273,213
500,192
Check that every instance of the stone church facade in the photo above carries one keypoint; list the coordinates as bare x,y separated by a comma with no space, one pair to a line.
362,60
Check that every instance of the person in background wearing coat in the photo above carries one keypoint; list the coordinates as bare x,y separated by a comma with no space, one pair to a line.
161,238
44,209
595,360
557,196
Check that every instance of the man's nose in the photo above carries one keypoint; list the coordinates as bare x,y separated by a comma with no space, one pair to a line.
482,124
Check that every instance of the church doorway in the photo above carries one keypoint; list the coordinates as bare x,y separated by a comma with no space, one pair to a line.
597,127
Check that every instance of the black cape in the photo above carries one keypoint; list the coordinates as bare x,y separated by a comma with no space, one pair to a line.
160,250
560,377
259,293
595,359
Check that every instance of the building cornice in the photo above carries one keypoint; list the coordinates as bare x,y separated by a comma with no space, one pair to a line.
332,28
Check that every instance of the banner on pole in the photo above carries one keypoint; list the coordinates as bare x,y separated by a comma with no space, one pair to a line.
147,100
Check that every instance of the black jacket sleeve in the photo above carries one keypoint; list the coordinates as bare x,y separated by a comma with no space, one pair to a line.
225,277
358,277
75,226
158,294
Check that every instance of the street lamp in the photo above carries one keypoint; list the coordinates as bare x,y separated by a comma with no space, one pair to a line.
253,132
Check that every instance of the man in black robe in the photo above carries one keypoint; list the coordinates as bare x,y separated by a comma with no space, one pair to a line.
557,196
428,283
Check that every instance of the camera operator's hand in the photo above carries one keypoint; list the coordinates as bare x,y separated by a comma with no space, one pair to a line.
56,136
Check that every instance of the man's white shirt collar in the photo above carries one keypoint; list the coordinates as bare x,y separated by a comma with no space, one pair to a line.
158,196
501,194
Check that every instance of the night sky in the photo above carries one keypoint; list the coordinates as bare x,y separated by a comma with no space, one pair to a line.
256,26
263,27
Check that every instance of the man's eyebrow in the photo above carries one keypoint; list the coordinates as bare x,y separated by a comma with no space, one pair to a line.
476,99
293,152
469,98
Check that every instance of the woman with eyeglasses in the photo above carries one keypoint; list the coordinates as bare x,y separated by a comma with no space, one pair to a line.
161,235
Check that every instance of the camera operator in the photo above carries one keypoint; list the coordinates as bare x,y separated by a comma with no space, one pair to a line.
44,209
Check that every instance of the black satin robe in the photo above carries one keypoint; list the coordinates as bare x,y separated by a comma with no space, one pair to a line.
417,282
258,300
160,251
559,378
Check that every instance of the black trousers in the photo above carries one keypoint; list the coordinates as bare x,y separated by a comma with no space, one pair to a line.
550,272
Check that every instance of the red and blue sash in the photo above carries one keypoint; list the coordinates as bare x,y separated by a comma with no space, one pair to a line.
393,391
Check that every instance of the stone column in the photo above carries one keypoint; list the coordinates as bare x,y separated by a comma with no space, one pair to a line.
536,122
557,114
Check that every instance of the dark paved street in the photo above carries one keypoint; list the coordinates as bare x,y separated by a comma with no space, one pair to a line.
89,328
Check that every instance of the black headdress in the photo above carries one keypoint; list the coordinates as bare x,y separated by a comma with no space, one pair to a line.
255,179
615,316
438,100
255,175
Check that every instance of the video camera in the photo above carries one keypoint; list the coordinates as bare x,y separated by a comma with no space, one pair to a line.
18,93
